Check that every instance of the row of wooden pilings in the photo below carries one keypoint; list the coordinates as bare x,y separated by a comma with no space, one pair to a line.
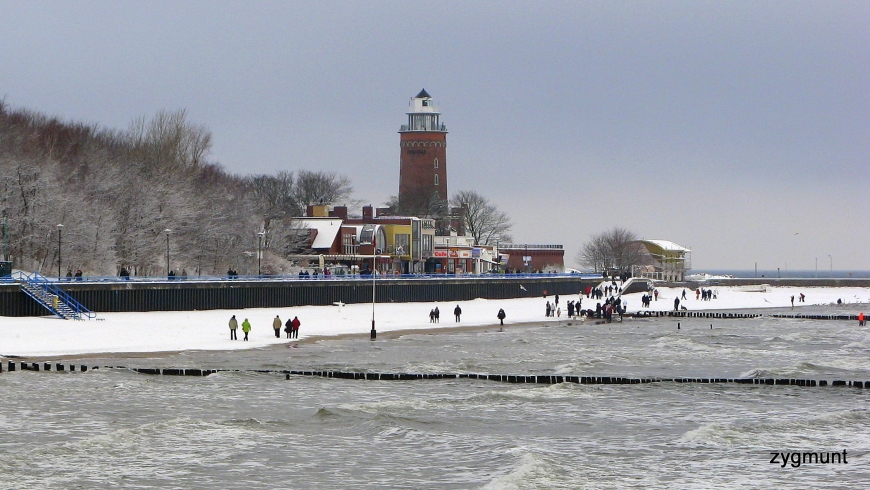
691,314
501,378
43,366
708,314
853,318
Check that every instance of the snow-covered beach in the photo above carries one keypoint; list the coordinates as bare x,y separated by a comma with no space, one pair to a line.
173,331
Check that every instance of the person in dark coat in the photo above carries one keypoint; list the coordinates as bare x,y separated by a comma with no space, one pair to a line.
437,315
501,316
288,327
456,312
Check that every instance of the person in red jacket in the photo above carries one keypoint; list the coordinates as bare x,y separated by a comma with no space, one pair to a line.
861,319
295,324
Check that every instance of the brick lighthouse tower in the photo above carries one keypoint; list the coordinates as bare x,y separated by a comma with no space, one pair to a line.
423,160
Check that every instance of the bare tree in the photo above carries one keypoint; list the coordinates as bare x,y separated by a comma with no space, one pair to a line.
483,221
614,249
272,196
319,188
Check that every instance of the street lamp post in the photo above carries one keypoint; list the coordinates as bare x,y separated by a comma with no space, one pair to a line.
168,232
5,238
374,332
59,234
260,236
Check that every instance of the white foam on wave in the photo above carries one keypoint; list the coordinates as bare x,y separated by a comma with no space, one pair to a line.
543,393
571,368
789,426
530,471
846,368
400,404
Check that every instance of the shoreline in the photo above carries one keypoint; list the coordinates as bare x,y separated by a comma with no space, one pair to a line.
164,334
387,335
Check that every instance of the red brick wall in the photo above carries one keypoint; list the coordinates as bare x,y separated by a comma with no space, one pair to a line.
418,151
540,258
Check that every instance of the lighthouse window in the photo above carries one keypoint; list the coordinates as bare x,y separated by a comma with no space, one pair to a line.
436,179
425,103
436,163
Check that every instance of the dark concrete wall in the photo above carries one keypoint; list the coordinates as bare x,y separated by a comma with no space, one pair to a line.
209,295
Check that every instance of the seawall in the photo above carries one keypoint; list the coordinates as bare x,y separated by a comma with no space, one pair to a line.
187,295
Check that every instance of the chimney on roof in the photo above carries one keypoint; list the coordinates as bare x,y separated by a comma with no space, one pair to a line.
368,213
339,212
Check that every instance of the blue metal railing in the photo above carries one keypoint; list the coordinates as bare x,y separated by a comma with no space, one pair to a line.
45,284
318,277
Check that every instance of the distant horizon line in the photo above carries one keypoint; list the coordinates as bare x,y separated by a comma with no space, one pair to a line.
782,273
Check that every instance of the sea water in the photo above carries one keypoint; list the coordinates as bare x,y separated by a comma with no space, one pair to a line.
114,428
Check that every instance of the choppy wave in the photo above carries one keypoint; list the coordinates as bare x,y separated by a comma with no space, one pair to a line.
848,368
779,426
537,393
529,471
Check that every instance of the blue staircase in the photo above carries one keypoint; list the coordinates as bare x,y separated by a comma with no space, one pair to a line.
52,298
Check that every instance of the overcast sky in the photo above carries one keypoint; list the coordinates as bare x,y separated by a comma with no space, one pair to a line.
738,129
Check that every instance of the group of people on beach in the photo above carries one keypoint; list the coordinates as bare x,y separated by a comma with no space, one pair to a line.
435,314
599,293
291,327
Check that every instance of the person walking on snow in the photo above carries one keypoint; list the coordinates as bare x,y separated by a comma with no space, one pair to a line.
276,325
296,323
437,315
501,316
246,327
234,324
456,312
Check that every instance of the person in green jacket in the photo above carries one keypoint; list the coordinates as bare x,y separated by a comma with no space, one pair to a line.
234,324
246,327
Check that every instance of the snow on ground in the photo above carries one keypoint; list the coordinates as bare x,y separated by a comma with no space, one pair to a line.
208,330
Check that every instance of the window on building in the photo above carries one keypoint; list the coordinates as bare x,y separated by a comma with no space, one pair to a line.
436,179
425,103
436,163
403,244
427,245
